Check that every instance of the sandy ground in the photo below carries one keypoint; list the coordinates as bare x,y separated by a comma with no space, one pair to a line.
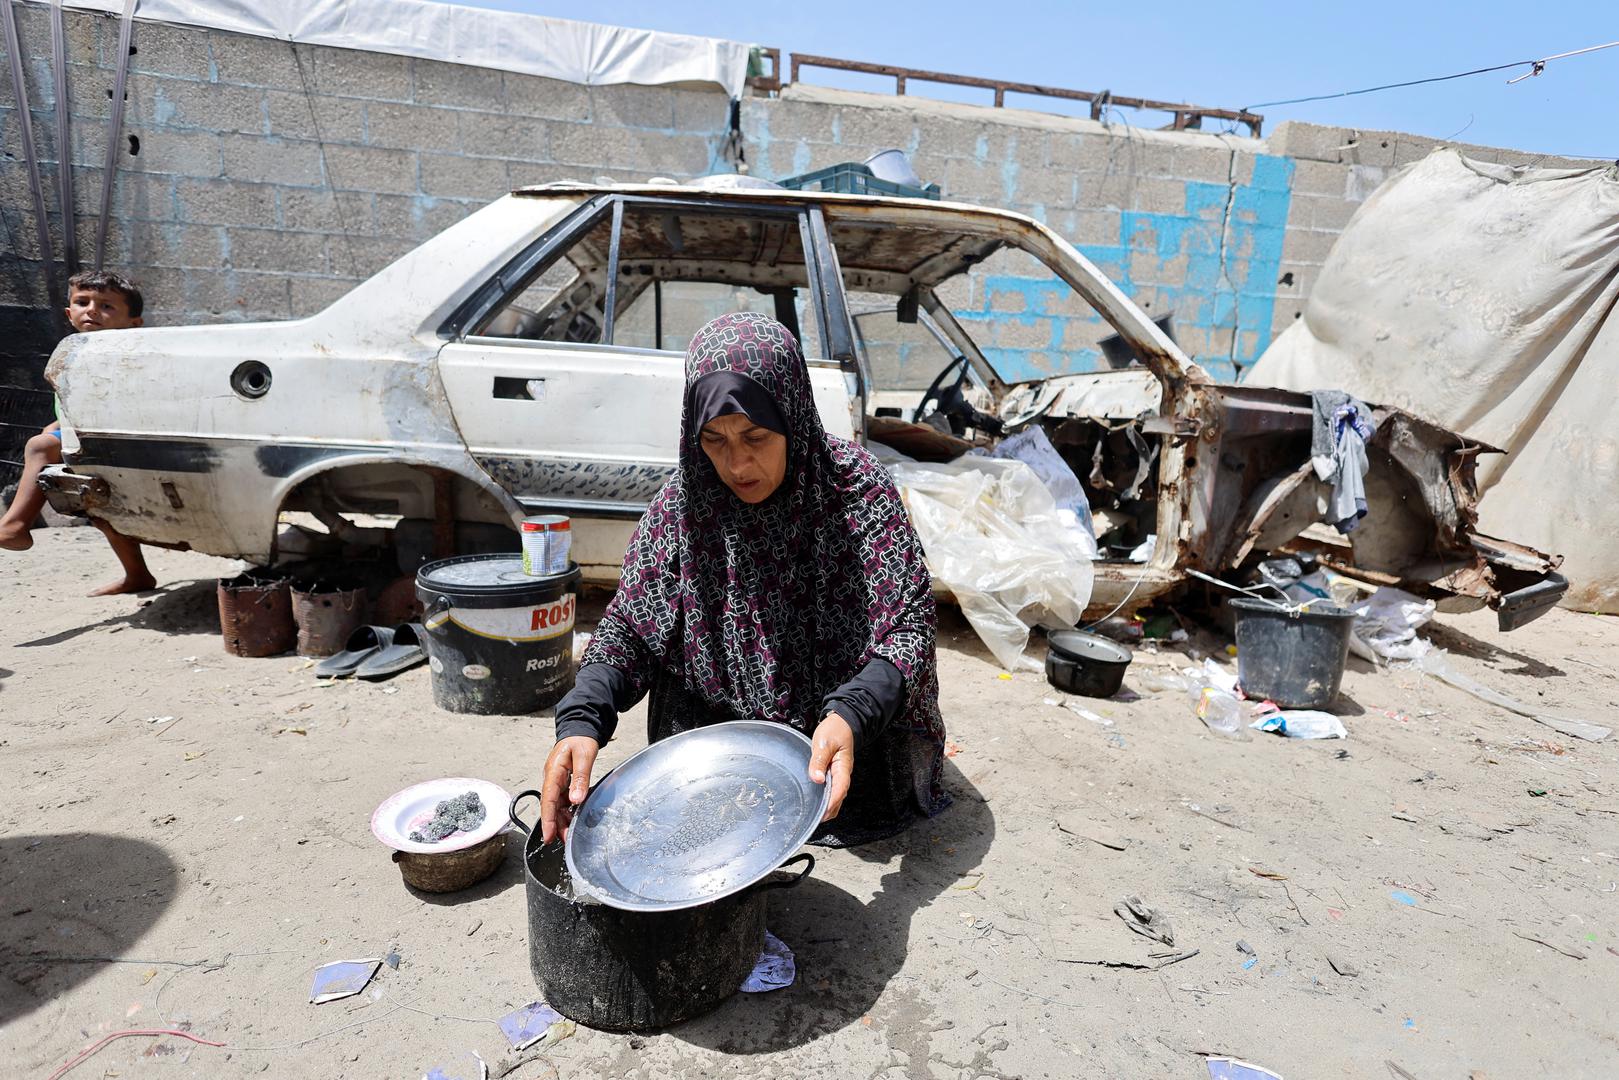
193,872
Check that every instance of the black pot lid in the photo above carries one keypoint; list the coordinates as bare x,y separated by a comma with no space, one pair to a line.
1081,647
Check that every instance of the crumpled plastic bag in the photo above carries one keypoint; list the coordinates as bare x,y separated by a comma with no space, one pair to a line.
774,970
1386,626
1302,724
993,536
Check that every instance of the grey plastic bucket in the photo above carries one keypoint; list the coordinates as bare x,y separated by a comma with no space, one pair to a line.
1294,658
499,641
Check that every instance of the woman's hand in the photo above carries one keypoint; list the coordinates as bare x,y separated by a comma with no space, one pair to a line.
832,759
566,770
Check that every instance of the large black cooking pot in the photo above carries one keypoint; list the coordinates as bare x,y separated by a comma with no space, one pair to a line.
632,970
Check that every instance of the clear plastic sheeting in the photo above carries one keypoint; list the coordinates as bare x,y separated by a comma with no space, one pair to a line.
1435,661
578,52
993,536
1033,447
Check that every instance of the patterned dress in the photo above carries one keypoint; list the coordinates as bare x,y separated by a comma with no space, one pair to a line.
734,611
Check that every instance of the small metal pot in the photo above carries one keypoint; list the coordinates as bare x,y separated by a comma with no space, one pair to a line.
1085,664
629,970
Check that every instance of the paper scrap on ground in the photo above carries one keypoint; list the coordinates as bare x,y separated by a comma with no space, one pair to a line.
342,979
526,1026
1302,724
469,1066
1224,1068
1080,710
774,970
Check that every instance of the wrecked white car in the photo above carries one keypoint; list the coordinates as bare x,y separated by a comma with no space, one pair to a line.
529,360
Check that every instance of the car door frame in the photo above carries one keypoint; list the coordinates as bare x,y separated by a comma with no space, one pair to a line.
823,285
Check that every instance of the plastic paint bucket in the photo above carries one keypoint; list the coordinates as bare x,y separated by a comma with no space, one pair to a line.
499,640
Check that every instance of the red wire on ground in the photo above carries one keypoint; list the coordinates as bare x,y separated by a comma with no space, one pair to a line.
85,1055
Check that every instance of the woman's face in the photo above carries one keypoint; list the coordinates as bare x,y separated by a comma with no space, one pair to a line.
750,459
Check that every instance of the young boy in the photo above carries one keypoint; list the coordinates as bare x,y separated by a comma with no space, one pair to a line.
97,300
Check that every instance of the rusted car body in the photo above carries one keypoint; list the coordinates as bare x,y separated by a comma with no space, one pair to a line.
527,360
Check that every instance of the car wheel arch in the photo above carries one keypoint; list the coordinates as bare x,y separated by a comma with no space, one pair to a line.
463,472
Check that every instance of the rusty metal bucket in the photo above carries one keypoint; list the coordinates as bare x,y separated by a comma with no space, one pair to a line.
255,615
325,617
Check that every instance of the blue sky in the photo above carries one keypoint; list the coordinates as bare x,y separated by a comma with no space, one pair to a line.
1226,55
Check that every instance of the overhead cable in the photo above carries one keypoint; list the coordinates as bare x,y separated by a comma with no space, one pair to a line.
1535,68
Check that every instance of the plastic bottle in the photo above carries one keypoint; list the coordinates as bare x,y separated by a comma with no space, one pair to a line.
1220,710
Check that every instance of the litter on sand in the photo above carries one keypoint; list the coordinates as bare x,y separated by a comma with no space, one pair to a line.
1100,721
468,1066
1145,920
1435,662
342,979
1225,1068
1302,724
776,968
1095,833
526,1026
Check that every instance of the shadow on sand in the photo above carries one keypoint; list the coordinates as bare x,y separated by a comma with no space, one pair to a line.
73,903
190,607
849,950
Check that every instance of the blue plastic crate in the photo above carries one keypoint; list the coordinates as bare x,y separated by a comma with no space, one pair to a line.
853,178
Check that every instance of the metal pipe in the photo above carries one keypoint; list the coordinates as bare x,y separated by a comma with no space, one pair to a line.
42,227
657,314
612,272
115,128
1001,87
64,142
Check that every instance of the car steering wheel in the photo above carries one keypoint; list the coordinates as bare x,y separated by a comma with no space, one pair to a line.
936,394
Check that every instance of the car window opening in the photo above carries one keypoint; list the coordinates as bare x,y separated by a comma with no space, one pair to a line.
943,317
677,269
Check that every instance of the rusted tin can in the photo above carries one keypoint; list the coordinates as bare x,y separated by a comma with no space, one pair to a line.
325,617
255,615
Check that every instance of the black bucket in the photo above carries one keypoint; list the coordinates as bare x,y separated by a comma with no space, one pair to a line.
1294,658
636,970
499,641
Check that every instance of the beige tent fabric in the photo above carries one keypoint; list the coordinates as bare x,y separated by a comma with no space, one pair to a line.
1483,298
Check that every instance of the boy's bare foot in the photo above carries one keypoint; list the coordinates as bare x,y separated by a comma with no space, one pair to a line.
127,584
16,538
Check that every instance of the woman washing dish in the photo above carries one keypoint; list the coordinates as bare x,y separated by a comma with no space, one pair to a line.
776,577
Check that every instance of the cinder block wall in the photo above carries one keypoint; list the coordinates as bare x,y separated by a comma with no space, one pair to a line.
257,180
1188,224
1224,233
269,178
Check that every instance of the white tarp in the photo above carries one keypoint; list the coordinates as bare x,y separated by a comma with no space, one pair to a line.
578,52
1480,296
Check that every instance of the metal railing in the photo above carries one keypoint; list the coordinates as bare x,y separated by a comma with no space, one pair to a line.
1187,117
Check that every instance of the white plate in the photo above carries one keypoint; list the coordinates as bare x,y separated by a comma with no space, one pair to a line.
407,811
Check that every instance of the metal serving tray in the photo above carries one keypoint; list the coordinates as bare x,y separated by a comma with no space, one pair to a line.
698,816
